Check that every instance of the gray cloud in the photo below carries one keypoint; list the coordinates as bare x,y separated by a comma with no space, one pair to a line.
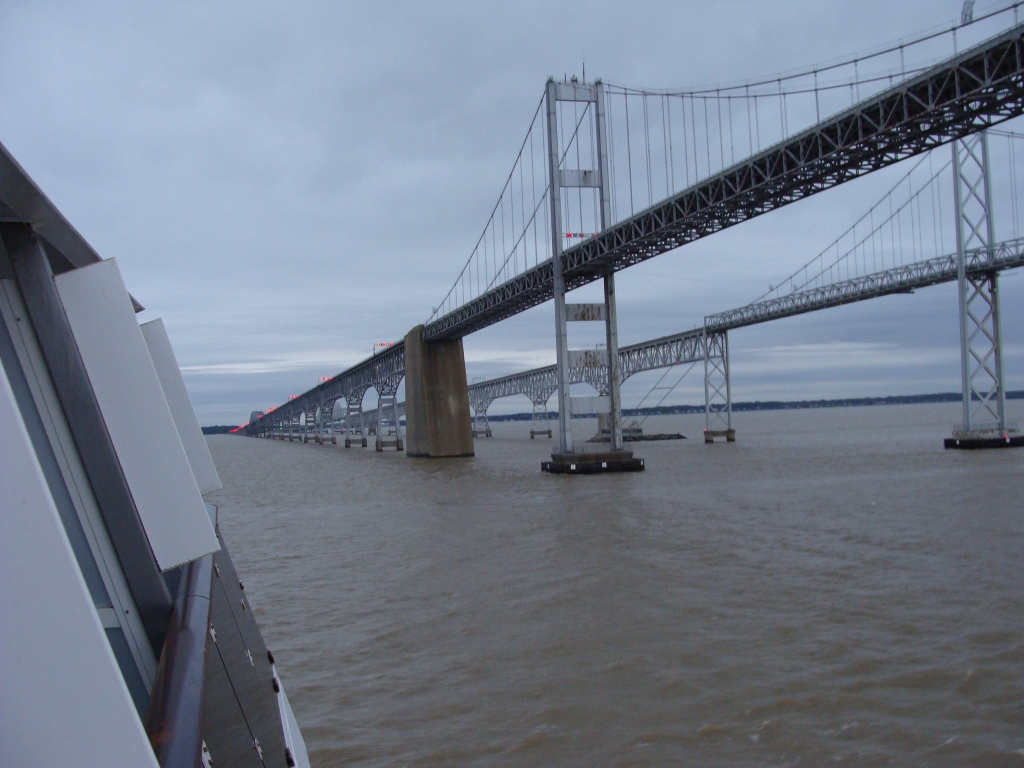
288,184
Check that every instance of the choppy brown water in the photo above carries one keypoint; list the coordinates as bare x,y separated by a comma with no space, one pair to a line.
834,587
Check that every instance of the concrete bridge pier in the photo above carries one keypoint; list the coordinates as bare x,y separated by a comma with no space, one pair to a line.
437,420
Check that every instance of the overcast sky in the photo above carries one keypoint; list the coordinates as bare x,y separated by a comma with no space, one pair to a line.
286,184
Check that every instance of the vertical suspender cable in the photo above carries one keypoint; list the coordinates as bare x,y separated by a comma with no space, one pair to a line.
686,145
721,135
757,123
782,114
732,139
693,126
613,197
629,154
817,104
750,127
647,147
664,143
672,154
707,133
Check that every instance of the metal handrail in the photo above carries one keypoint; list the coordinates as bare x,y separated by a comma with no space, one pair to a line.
176,704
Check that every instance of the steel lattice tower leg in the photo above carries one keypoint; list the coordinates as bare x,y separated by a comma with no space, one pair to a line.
354,418
387,399
481,426
981,354
540,423
717,387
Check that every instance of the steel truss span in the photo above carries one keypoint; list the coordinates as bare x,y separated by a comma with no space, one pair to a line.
688,346
902,279
963,95
378,372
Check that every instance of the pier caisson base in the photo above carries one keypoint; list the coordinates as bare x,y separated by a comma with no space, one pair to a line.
711,434
970,442
592,463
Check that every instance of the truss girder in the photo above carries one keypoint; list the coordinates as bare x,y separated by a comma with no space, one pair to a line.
942,269
357,379
961,96
687,347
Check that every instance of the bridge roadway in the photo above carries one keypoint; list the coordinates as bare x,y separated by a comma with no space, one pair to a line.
961,96
686,347
956,98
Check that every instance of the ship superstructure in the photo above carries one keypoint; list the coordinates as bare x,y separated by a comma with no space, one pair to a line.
126,638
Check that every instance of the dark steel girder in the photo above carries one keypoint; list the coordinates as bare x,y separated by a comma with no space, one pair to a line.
965,94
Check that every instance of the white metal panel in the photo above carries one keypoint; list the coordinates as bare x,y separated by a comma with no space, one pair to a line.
582,313
588,358
62,700
591,404
136,414
572,177
184,414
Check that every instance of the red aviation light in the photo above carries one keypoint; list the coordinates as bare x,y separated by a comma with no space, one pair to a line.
292,397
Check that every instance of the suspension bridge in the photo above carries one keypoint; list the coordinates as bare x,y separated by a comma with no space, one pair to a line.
609,176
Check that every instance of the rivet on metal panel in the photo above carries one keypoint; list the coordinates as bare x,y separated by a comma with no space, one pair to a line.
277,685
243,604
248,655
213,634
270,656
216,570
258,748
241,585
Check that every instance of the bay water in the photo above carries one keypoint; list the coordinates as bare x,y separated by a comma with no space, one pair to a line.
834,587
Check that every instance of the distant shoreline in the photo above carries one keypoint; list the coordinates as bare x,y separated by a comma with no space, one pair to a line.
775,405
748,405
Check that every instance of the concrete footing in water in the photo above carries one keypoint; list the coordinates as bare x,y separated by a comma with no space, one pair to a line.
968,441
437,419
592,463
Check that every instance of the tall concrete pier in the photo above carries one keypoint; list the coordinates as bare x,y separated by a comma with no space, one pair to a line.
437,421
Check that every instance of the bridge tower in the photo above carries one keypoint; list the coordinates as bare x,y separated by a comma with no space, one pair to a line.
481,426
566,459
717,388
981,352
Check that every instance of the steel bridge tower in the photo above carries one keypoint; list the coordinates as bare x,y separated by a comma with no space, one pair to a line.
603,362
981,352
